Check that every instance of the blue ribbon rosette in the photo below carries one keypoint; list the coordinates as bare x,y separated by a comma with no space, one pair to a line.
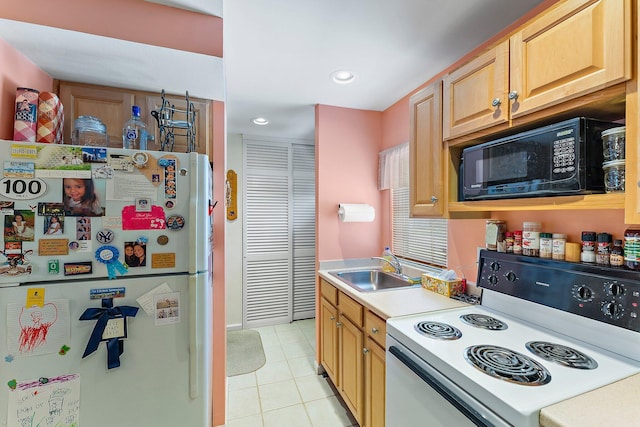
115,346
108,255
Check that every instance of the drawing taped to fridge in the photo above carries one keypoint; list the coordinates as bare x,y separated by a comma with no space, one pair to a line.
105,287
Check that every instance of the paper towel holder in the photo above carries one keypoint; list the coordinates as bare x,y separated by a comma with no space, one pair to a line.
356,212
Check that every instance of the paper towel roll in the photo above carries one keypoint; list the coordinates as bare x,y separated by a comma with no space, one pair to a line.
350,212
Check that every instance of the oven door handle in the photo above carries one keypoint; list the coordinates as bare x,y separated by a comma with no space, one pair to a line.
461,406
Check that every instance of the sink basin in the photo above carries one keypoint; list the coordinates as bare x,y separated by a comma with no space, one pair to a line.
373,280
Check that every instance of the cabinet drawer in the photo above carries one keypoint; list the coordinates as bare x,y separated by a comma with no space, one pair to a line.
329,292
351,309
375,327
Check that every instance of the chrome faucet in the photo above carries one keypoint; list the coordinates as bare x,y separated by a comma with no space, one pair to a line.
397,267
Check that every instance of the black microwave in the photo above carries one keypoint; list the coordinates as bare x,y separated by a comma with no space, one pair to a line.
564,158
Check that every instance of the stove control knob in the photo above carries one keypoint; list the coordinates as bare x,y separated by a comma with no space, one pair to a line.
615,289
612,309
511,276
493,279
583,293
494,266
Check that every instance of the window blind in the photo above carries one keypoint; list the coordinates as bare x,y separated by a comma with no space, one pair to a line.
420,239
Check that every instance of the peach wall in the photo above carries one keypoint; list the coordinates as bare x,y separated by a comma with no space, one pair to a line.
347,145
137,21
466,235
16,71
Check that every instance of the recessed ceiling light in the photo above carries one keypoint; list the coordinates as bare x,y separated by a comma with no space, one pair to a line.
260,121
343,76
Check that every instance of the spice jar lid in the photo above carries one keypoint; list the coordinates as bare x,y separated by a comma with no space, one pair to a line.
546,235
589,236
608,132
604,238
559,236
617,242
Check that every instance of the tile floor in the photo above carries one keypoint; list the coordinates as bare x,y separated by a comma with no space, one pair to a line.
286,391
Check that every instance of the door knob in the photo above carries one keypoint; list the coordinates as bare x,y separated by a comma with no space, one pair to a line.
374,330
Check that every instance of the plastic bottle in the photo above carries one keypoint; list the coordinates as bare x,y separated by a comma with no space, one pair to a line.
134,131
387,266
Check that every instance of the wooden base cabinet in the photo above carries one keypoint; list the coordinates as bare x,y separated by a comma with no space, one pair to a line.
354,337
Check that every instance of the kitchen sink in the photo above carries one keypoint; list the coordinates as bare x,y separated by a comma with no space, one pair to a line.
373,280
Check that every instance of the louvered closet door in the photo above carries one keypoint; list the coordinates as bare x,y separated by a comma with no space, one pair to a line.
304,232
279,233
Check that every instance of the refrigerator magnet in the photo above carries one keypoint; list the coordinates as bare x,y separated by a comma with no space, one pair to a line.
175,222
140,159
162,239
105,236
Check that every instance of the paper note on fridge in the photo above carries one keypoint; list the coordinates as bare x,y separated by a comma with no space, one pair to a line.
38,330
146,300
45,401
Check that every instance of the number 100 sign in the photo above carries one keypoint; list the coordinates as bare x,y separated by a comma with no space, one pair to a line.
22,189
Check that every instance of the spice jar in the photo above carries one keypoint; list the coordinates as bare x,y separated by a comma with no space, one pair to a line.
494,233
517,242
509,242
558,246
531,238
604,249
588,253
572,252
632,248
546,245
616,258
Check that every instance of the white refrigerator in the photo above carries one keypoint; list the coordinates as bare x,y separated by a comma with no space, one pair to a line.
105,287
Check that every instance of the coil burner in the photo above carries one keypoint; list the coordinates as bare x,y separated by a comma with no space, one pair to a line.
438,330
561,354
507,365
483,321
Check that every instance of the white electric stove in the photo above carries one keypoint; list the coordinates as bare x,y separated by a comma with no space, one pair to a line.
546,331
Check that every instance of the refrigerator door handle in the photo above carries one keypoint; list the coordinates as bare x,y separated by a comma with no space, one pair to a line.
9,285
194,351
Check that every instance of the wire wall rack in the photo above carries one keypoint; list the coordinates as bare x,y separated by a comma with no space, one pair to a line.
173,121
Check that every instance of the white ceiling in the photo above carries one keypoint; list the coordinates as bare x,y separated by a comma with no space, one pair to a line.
278,54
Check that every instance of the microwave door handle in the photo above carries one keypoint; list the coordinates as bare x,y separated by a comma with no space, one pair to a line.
461,406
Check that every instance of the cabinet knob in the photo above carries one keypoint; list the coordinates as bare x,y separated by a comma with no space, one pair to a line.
374,330
496,102
338,324
365,350
434,199
513,95
332,318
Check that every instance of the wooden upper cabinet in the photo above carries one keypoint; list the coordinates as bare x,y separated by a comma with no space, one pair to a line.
112,107
426,160
475,95
574,49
